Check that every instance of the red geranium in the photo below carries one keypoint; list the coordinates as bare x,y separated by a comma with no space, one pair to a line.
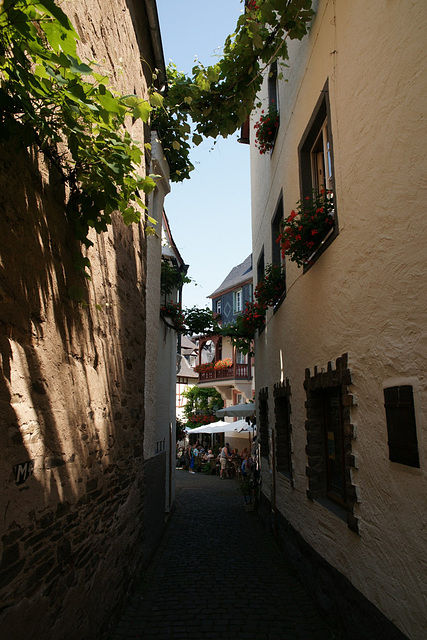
266,129
306,227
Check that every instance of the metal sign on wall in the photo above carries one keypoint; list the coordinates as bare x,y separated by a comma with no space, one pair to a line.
23,471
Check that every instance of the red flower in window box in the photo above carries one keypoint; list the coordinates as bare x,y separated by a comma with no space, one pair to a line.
266,129
269,290
173,311
307,226
202,368
223,364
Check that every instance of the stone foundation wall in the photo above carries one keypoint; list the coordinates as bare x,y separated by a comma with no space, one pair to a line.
356,615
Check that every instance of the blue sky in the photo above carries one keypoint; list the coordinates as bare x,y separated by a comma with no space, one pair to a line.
210,213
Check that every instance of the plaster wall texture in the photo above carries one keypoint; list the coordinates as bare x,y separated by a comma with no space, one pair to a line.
154,329
160,366
166,410
365,294
71,384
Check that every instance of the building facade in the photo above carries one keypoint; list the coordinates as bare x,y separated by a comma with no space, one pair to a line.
231,373
340,365
186,376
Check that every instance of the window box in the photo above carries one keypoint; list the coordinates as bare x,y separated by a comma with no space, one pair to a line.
266,129
308,227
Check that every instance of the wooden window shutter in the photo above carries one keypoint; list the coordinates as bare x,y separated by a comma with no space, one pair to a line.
401,426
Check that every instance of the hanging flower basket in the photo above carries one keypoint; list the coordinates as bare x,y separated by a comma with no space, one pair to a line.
307,226
266,129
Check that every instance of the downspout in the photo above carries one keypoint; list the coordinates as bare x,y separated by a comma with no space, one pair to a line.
156,39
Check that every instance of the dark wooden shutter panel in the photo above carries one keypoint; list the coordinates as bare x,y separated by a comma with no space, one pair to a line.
401,426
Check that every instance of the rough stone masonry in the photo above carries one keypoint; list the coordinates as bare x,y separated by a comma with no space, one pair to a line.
72,379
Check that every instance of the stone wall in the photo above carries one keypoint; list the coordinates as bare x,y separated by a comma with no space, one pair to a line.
71,384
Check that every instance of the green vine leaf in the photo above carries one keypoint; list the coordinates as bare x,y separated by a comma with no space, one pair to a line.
217,99
142,110
51,98
156,99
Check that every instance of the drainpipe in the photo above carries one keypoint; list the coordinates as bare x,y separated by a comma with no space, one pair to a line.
273,483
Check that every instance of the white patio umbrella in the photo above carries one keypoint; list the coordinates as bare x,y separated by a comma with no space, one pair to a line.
237,410
222,427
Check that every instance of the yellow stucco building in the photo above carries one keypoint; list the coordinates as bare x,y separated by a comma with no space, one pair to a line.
340,366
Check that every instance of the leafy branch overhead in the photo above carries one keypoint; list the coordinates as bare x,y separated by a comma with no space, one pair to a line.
51,99
218,99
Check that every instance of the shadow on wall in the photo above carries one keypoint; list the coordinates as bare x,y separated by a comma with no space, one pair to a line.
71,394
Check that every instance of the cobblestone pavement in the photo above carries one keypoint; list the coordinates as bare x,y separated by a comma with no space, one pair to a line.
219,575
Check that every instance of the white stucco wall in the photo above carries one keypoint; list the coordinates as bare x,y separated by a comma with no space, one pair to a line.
154,258
366,294
161,362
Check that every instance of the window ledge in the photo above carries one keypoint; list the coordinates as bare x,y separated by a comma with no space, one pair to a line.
279,302
335,508
287,477
327,240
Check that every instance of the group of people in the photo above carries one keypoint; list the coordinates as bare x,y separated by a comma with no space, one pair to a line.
230,461
194,454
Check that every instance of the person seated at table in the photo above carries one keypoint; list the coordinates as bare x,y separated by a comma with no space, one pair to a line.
245,453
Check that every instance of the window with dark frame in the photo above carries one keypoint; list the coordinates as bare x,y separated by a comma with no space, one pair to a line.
315,150
260,276
272,86
333,434
238,301
275,246
262,423
401,425
275,231
329,440
260,270
273,103
316,162
283,429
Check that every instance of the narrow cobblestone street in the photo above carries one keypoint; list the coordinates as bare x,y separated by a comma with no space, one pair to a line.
219,574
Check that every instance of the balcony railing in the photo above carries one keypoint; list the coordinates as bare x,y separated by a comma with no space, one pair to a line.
235,372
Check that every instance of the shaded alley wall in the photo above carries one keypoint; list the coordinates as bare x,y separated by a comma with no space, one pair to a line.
71,383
